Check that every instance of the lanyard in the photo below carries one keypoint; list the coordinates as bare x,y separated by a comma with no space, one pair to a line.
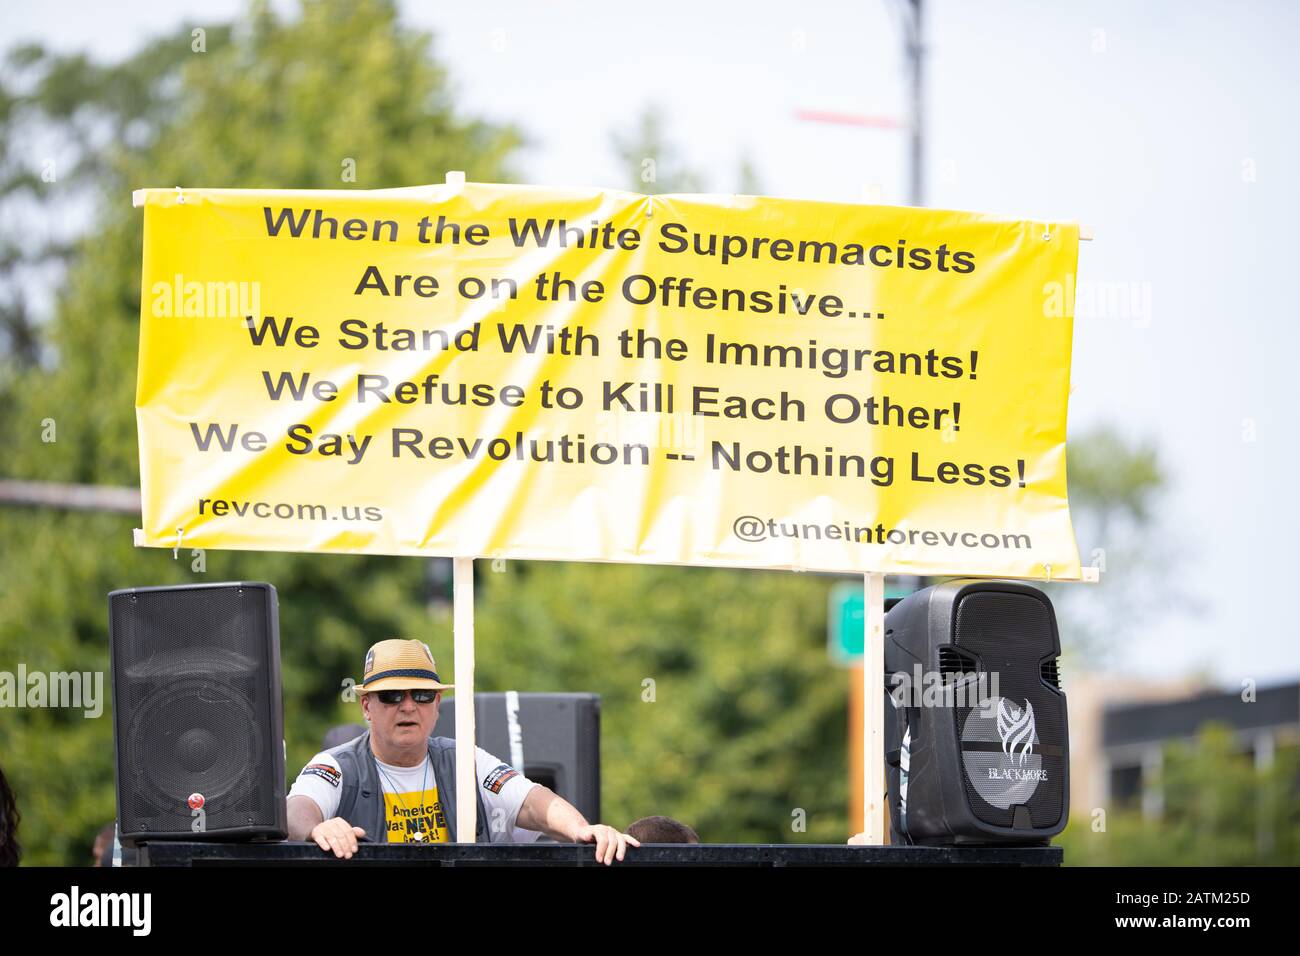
418,835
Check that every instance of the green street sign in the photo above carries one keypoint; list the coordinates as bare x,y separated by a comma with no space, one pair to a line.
846,626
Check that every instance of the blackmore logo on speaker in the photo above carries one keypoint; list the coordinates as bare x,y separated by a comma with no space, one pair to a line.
83,690
76,909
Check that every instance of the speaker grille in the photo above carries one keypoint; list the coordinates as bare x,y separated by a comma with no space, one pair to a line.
953,662
196,681
1013,747
195,736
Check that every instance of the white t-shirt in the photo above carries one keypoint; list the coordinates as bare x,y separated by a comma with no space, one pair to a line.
412,805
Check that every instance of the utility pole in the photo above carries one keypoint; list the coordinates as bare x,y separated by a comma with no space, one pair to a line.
914,51
912,26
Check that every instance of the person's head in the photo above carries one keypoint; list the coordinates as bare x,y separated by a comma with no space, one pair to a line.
400,692
341,735
662,830
103,843
10,850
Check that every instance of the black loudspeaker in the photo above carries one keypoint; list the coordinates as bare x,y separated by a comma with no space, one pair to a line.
978,753
198,725
559,735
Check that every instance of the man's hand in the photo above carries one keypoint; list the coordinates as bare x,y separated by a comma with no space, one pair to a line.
548,812
610,843
338,835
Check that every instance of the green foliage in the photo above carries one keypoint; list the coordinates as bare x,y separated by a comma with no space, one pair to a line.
749,182
274,103
748,720
1219,810
1113,479
1114,484
654,165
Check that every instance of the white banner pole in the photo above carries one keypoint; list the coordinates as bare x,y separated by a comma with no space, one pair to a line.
462,583
873,714
462,586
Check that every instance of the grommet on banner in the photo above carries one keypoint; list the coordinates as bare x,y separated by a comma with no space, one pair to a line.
1048,569
650,207
180,195
180,536
1047,234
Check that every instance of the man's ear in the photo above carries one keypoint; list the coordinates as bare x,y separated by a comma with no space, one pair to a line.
365,706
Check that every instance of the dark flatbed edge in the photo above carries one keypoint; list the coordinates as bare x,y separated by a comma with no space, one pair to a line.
552,854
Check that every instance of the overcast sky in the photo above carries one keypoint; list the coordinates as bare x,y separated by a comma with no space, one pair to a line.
1169,128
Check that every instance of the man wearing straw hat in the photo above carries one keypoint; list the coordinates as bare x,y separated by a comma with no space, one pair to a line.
397,784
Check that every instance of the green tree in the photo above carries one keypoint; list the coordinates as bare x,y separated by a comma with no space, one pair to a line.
276,103
654,164
719,703
749,183
1219,810
1115,484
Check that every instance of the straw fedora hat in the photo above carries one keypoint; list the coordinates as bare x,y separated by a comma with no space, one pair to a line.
398,665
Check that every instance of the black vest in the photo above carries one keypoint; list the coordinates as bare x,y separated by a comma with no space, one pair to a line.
361,802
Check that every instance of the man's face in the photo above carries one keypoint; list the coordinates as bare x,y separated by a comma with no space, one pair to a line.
402,725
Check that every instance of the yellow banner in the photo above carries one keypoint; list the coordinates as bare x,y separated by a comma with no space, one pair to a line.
563,374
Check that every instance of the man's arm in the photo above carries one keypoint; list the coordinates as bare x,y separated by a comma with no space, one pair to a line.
303,817
306,823
546,811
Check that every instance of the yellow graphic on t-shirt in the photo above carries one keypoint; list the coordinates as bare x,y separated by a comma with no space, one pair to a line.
415,817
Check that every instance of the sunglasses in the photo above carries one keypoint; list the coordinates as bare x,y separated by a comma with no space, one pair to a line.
421,695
